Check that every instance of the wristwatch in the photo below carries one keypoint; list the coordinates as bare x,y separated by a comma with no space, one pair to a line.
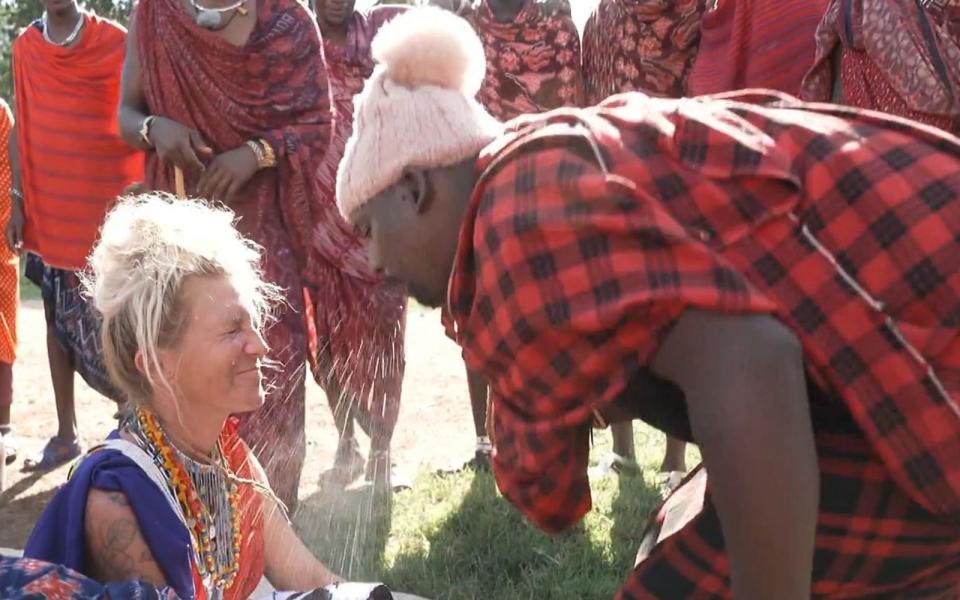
145,130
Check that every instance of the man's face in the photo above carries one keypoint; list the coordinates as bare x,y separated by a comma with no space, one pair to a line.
57,6
413,229
335,12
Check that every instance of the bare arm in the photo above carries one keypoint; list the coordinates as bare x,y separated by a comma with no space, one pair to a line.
133,104
13,148
13,228
744,384
290,564
115,545
174,143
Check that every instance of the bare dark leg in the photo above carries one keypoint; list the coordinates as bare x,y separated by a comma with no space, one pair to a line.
6,400
623,440
61,375
479,403
479,393
675,457
6,395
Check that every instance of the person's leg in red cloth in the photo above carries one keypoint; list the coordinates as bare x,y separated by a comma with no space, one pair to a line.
872,540
275,433
356,351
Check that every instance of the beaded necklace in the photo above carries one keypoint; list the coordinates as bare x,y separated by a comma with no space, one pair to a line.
71,38
199,488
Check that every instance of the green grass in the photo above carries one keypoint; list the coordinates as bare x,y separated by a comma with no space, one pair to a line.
28,291
453,537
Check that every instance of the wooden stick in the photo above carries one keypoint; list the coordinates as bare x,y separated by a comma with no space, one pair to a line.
178,185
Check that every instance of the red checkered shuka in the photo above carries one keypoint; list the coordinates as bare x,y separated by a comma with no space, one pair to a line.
591,231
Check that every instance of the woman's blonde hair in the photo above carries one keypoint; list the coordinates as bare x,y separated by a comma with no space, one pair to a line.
149,246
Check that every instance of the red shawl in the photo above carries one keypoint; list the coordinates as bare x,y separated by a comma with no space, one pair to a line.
533,62
756,44
72,160
640,46
894,56
274,87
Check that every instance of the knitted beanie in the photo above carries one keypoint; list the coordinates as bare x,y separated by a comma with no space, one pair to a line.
418,108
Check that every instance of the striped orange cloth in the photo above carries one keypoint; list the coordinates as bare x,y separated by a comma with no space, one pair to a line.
9,272
73,163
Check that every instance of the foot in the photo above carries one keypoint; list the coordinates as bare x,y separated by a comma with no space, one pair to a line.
347,466
9,445
58,451
614,464
667,482
481,461
382,473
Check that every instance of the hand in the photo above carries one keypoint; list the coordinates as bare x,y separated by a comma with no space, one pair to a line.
14,232
227,173
179,145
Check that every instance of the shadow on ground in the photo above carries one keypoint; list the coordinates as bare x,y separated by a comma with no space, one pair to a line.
455,538
14,501
347,530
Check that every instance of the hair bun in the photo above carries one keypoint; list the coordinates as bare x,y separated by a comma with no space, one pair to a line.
431,46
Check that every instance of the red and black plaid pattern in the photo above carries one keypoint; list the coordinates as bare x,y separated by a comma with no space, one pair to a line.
591,231
872,540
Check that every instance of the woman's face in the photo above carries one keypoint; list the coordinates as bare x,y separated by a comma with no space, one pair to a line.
216,364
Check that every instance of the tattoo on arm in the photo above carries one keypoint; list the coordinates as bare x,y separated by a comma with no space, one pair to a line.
118,551
117,563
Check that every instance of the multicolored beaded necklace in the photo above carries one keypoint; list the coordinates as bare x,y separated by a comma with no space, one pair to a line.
213,517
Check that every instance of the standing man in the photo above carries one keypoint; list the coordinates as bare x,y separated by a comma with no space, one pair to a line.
68,167
234,95
9,295
532,50
898,56
644,46
752,273
357,321
533,54
640,46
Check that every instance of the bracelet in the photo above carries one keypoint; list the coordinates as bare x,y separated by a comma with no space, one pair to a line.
16,194
145,130
258,151
271,158
263,152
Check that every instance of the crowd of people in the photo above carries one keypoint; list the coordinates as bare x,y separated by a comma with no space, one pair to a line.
736,220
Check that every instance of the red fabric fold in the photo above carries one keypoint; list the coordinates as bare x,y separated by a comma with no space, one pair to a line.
73,162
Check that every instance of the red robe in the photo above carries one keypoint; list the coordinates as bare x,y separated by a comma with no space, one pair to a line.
274,87
73,163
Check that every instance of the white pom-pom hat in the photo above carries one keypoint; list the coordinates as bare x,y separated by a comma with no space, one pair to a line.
418,108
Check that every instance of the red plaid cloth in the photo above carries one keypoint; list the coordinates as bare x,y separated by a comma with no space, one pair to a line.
591,231
872,541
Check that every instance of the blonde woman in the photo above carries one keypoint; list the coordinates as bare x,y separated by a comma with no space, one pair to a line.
175,497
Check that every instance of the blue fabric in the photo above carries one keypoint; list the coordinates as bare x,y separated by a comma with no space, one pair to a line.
76,323
30,579
60,536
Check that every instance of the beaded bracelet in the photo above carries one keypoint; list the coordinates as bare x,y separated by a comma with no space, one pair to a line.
264,152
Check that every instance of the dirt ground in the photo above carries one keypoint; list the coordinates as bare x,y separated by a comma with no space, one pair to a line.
434,394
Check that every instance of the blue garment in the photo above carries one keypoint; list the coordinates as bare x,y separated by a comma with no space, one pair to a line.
30,579
76,323
60,536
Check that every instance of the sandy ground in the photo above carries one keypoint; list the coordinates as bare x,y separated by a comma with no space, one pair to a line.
435,392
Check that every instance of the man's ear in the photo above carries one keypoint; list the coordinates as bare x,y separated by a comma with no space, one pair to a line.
415,182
